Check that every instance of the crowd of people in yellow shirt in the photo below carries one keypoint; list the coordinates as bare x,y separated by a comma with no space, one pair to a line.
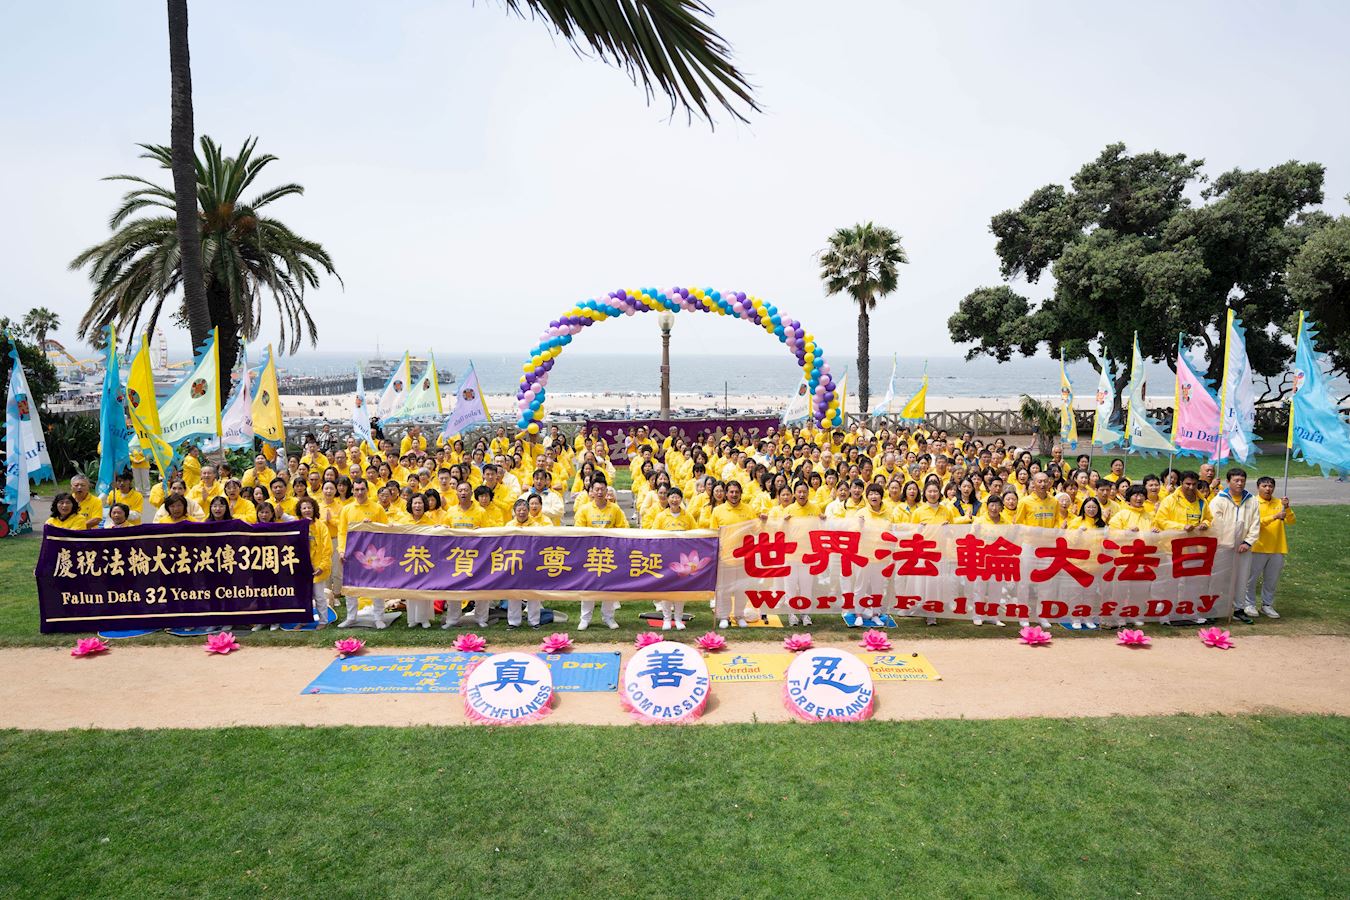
703,481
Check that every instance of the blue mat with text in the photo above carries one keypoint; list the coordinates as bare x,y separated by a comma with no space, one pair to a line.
441,673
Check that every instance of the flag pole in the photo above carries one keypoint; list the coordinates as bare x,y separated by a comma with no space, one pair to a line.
1289,440
1176,406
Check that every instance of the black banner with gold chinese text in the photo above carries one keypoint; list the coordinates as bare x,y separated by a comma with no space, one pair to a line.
175,576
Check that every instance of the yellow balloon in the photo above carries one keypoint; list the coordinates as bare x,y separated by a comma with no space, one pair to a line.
527,368
539,413
532,428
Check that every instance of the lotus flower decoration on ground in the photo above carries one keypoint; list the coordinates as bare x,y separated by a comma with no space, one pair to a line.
1217,638
88,647
470,643
796,643
221,642
348,647
711,642
1034,636
1133,637
647,638
556,643
875,641
689,563
376,560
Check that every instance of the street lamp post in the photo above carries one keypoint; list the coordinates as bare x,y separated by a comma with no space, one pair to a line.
666,319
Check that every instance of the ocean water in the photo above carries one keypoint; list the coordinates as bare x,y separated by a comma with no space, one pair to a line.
579,372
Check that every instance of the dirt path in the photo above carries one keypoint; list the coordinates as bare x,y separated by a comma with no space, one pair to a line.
183,687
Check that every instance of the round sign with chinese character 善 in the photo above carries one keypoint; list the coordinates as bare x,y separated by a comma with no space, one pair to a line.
665,683
508,689
824,685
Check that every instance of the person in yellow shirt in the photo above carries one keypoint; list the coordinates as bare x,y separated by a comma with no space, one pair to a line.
489,511
312,457
261,473
1271,546
673,518
1038,508
1117,471
932,511
464,513
206,489
1184,509
122,492
599,513
241,507
1134,517
86,503
174,511
192,466
282,498
66,513
1089,516
320,556
414,440
361,509
119,516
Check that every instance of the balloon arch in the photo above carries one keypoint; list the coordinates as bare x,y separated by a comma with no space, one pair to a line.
532,391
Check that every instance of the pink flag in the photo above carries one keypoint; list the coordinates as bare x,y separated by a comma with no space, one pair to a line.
1196,424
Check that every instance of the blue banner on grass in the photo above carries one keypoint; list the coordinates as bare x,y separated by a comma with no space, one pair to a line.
441,673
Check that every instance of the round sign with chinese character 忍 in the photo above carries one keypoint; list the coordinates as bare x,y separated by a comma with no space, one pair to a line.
826,685
508,689
665,683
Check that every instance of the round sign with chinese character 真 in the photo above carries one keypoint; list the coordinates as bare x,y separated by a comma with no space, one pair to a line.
665,683
825,685
507,689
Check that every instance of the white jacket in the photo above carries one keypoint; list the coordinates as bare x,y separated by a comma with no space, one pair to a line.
1237,520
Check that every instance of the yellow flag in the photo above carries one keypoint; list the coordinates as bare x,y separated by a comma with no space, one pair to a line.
915,409
267,423
144,409
843,399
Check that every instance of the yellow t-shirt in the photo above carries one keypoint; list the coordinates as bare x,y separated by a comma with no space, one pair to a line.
926,514
457,517
353,514
666,520
1038,513
252,477
1272,538
1175,512
91,508
594,517
1129,518
726,514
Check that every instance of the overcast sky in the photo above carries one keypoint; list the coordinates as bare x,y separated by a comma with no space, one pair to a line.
472,177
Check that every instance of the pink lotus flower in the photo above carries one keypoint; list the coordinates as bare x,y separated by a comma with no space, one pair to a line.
796,643
470,643
556,643
221,642
1132,637
1034,636
375,560
1217,638
647,638
711,642
348,647
88,647
875,640
689,563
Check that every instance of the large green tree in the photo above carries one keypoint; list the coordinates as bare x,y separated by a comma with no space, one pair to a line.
1319,284
863,263
1129,252
249,257
43,381
666,44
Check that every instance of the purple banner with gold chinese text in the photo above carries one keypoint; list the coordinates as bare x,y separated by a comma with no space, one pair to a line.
403,561
171,576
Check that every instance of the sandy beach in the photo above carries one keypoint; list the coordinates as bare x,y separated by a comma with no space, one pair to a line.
338,407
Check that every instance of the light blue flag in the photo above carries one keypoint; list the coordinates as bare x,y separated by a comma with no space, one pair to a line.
1145,436
884,406
25,449
361,415
114,434
1317,433
1105,407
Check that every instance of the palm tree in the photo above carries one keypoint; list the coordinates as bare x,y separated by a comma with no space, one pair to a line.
664,43
39,323
245,254
1044,421
861,262
183,163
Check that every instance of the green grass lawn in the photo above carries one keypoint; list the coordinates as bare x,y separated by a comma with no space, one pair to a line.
1313,600
1181,806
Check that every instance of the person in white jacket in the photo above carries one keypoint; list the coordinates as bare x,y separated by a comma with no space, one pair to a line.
1237,520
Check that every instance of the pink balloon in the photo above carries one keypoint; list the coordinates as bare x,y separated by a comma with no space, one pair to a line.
824,368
